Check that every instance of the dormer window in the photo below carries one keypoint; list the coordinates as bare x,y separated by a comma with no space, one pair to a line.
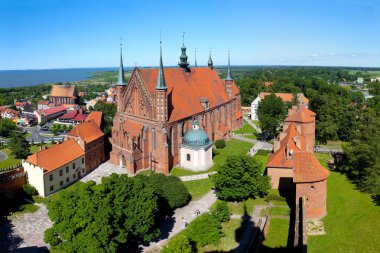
205,103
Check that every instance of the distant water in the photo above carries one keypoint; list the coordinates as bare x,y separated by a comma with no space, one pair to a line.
19,78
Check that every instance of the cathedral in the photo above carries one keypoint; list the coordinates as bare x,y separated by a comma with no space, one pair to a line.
158,106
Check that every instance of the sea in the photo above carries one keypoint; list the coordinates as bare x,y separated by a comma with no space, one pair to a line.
20,78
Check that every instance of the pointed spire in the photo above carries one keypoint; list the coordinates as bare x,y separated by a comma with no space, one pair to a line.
121,78
196,65
161,85
229,77
183,58
210,64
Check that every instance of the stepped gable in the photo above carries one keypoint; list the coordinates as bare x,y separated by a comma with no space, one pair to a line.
57,155
63,91
280,157
302,115
189,85
88,131
307,168
96,117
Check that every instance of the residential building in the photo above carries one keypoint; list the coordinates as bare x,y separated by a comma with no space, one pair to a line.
286,97
63,94
48,114
56,167
73,117
157,107
7,113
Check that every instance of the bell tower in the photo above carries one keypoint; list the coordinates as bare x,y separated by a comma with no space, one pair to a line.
121,84
161,96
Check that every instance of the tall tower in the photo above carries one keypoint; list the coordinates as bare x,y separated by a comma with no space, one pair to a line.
121,84
183,58
161,93
229,80
195,59
210,64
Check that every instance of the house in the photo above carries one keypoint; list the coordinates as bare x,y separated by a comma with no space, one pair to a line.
44,116
293,166
286,97
73,117
44,104
91,139
7,113
158,106
96,117
54,168
63,94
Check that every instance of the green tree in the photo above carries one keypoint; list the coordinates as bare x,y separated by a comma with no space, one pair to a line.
220,211
108,111
29,190
105,217
19,146
271,113
240,178
7,126
180,243
205,230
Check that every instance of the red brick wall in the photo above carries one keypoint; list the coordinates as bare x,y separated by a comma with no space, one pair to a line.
15,185
315,198
283,175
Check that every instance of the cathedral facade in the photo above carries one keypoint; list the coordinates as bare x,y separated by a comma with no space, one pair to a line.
158,106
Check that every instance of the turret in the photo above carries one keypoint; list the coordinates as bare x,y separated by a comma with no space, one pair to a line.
121,84
183,58
229,81
210,64
161,93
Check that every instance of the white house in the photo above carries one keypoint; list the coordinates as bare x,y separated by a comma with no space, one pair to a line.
286,97
196,149
54,168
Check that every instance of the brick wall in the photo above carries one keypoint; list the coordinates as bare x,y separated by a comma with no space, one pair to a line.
315,198
13,180
281,177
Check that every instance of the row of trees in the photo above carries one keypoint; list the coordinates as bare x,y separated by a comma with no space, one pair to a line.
118,212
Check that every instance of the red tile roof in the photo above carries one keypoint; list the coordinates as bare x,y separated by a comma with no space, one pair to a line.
80,117
133,128
268,83
88,131
63,91
307,168
238,115
69,115
53,110
96,116
56,156
302,115
286,97
189,85
223,128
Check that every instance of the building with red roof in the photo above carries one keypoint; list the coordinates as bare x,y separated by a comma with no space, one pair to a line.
90,138
158,106
73,117
63,94
293,166
45,115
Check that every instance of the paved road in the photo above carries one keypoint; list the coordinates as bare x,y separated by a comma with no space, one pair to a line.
261,145
180,217
197,177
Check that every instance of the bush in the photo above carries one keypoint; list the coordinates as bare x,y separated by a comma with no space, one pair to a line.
215,152
220,143
220,211
274,197
204,230
29,190
180,243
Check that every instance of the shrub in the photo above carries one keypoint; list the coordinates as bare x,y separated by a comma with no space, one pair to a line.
215,152
274,197
220,143
205,230
220,211
180,243
29,190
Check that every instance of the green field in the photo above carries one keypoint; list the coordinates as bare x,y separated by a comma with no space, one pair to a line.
198,188
353,220
247,130
10,161
246,206
262,157
277,236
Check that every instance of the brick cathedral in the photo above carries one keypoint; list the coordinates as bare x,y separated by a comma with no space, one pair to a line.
158,105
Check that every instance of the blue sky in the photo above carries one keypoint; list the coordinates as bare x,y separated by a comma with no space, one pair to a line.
40,34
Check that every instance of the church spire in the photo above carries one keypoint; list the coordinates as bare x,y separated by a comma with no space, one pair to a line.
229,77
183,58
121,78
161,85
196,65
210,64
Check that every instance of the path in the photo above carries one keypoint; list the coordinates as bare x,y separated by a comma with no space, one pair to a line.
182,215
256,127
197,177
29,228
103,170
3,156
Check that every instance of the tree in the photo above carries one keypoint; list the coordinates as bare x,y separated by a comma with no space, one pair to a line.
19,146
29,190
220,211
271,113
220,143
108,112
7,127
240,178
205,230
105,217
179,243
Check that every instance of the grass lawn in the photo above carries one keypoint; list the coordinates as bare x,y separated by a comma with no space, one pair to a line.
245,206
257,123
33,149
245,129
353,220
73,187
262,157
277,236
11,161
228,242
279,210
233,147
26,208
199,188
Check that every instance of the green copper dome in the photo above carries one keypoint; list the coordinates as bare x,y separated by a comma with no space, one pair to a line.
196,136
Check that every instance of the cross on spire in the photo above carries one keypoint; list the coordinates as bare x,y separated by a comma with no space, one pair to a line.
161,84
183,38
121,78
